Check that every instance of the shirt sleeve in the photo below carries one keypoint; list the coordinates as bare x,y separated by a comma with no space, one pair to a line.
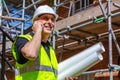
19,44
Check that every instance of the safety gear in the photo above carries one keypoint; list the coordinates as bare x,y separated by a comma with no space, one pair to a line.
43,68
45,9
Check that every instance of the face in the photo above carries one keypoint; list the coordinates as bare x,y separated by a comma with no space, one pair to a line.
48,23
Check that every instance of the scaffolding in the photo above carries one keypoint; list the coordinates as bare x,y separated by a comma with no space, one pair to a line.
8,32
11,32
107,17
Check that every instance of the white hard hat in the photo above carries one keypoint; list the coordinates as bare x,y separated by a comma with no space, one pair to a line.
45,9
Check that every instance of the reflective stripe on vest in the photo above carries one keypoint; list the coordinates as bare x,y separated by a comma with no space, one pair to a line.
41,68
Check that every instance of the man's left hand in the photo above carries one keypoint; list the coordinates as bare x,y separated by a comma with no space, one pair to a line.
71,78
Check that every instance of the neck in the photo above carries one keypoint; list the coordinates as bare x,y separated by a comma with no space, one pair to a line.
45,38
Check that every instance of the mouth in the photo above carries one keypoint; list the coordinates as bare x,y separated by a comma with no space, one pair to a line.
48,27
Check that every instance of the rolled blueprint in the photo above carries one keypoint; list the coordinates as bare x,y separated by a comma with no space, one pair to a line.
80,56
81,66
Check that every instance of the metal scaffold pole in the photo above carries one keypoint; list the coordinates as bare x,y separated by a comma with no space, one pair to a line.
0,10
53,37
23,13
3,49
110,38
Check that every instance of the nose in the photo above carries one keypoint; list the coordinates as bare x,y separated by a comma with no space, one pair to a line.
50,21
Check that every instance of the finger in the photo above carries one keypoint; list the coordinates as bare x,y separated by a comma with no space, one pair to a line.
66,78
75,78
70,78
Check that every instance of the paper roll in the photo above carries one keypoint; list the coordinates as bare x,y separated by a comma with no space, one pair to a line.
81,66
80,56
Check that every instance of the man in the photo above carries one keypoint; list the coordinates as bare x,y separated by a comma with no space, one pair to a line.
35,57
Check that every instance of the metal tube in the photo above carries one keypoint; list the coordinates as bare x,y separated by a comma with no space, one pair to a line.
3,55
0,11
70,8
115,41
110,37
102,8
53,37
84,24
6,34
8,17
117,5
34,3
11,67
85,4
6,10
62,3
115,14
96,71
23,13
6,6
61,54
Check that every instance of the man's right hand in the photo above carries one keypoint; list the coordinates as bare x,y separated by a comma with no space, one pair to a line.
37,26
71,78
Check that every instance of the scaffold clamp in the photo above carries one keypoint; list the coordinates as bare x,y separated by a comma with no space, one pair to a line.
98,20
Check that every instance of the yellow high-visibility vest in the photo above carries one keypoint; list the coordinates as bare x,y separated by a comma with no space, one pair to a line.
43,68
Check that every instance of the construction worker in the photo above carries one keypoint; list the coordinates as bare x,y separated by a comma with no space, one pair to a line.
34,55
